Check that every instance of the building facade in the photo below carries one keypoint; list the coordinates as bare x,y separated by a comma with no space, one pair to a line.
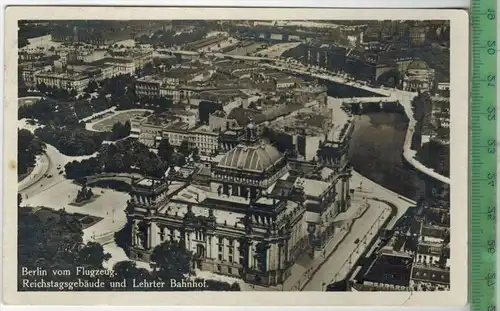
148,86
29,74
418,77
65,81
205,141
234,226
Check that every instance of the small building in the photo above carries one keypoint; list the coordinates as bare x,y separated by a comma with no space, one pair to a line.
430,278
417,35
148,86
418,77
443,89
30,71
135,125
67,81
429,253
219,120
310,93
285,83
389,271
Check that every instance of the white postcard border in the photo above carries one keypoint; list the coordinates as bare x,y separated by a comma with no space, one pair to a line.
459,72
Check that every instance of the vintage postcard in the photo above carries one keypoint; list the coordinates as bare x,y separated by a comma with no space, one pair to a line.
235,156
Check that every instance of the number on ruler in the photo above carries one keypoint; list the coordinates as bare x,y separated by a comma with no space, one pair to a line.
492,143
491,15
491,212
492,247
490,279
492,179
491,47
492,113
492,80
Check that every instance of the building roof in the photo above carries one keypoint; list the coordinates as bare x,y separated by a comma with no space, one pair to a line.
340,286
390,269
434,249
242,115
430,274
314,188
178,73
434,231
326,173
219,113
417,65
256,158
282,188
149,79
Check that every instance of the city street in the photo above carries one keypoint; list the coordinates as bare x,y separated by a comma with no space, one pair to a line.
52,163
367,188
340,262
41,167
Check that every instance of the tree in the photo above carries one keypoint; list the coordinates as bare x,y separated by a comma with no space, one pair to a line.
185,148
91,87
120,130
128,271
151,165
28,147
206,108
165,150
42,87
93,255
53,240
71,141
196,153
87,167
148,69
171,261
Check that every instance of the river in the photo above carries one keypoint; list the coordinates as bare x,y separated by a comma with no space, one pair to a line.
376,152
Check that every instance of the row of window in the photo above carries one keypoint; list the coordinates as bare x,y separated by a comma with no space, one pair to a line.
229,269
237,179
425,274
171,234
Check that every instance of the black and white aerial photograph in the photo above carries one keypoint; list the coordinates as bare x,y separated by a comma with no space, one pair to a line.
233,155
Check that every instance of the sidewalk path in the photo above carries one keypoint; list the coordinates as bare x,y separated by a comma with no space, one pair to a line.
339,262
305,267
41,167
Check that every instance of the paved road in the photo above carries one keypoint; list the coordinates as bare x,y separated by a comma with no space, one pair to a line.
337,265
40,169
51,161
54,163
369,189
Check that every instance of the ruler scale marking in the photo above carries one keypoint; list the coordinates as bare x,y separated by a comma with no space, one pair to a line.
483,156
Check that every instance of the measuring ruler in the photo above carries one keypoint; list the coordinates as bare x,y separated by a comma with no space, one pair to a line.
483,156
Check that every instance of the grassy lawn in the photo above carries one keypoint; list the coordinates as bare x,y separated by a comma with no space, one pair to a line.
85,220
107,124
